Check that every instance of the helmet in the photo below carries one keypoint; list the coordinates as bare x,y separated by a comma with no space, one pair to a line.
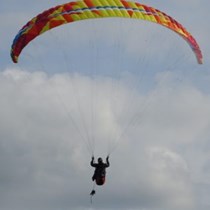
100,160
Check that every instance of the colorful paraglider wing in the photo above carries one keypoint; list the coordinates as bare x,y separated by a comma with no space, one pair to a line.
87,9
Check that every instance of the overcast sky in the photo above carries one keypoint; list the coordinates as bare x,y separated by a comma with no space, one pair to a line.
130,89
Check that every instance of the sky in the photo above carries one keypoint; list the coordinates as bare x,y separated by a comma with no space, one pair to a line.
129,89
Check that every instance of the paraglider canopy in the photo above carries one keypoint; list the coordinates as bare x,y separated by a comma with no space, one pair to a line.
88,9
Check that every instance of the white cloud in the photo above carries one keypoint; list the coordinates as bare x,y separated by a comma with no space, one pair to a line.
44,156
170,175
